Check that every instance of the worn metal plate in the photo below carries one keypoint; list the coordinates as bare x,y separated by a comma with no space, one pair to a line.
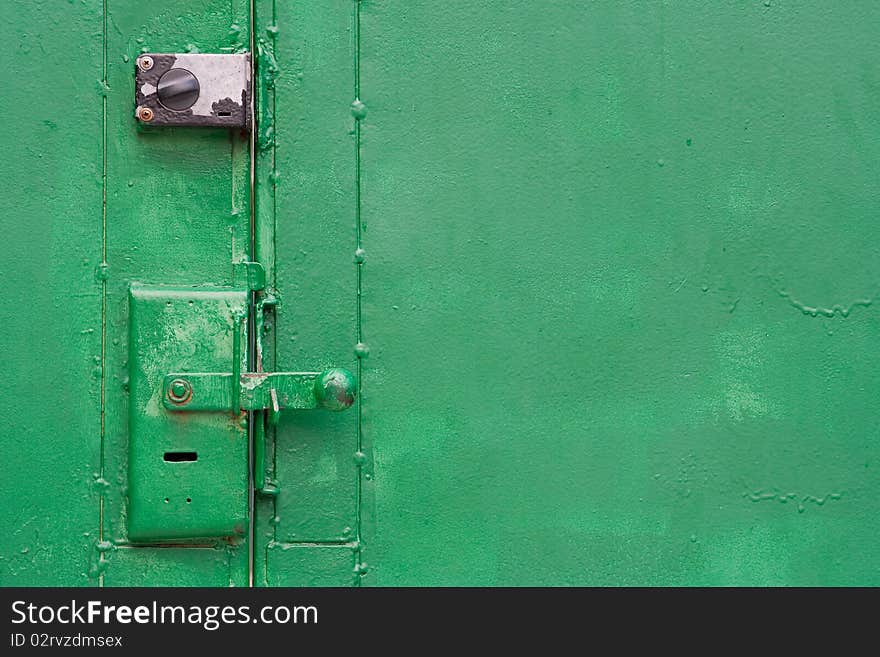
212,89
187,471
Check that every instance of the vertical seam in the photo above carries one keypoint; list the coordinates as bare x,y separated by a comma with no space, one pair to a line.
357,140
252,323
274,193
104,89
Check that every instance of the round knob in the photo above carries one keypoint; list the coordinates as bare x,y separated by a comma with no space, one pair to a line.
335,389
178,89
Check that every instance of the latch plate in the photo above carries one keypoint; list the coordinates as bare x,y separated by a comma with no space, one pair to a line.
188,472
333,389
193,89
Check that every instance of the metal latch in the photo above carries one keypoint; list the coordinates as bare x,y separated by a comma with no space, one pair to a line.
333,389
188,438
193,89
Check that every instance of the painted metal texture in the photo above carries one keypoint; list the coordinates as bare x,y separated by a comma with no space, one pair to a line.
92,203
307,527
622,257
614,265
605,272
187,472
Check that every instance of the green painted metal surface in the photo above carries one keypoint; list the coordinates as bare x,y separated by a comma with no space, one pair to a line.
51,204
606,273
187,472
306,217
92,203
615,272
621,258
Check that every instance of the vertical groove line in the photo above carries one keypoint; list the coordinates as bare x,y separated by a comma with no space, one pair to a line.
274,193
357,142
104,90
252,323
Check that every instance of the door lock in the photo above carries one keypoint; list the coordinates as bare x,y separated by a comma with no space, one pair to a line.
193,89
189,386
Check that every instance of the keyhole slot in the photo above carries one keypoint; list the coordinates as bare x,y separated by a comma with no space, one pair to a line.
181,457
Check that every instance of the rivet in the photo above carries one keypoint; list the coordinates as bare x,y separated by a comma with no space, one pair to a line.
145,63
179,391
145,114
358,109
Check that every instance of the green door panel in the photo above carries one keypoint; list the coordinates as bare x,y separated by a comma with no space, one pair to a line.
618,292
190,566
306,189
607,273
96,203
51,206
178,214
296,564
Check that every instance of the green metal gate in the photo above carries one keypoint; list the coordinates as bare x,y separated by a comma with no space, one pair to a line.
604,274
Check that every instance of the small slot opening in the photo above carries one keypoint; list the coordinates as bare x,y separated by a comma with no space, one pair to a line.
180,457
224,113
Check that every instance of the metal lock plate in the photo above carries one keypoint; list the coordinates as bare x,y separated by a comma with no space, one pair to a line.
187,474
193,89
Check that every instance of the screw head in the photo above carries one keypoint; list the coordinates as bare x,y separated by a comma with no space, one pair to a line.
145,114
179,391
145,63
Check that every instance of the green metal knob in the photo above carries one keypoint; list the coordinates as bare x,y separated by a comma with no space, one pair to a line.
335,389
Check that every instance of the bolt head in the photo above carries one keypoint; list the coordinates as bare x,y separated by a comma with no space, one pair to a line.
145,63
179,391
